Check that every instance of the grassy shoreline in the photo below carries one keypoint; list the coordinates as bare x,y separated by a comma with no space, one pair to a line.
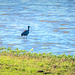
21,62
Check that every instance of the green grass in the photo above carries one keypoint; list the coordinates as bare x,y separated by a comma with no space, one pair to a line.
21,62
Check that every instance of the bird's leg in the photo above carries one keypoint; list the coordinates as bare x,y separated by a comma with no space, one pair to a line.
23,37
26,37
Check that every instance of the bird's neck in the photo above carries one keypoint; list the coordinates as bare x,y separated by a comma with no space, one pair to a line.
28,28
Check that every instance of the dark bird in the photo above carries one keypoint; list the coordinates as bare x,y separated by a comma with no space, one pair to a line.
26,32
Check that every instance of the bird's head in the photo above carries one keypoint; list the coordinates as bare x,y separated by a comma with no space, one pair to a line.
28,26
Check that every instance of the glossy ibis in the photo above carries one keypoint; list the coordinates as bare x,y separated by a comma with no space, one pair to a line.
26,32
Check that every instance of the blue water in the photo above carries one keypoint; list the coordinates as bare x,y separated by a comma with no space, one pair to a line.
52,23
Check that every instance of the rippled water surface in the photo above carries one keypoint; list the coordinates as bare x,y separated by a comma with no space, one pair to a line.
52,23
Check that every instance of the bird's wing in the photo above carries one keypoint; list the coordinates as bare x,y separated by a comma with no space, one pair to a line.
25,30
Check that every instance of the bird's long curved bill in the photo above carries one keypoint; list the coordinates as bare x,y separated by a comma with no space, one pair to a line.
30,27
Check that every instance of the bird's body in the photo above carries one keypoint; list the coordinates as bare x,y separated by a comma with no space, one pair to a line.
26,32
